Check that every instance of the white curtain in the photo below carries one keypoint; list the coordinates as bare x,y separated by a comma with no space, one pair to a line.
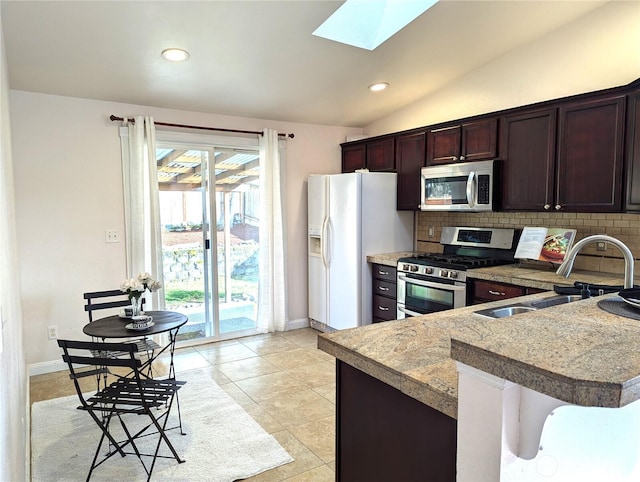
141,201
272,314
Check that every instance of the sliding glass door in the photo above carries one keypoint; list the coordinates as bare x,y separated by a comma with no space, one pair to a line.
208,212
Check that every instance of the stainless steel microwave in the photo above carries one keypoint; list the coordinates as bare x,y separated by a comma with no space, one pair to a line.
465,186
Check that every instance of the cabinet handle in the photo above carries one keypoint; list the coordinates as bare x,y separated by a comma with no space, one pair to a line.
383,308
462,158
558,207
383,273
383,288
547,206
496,293
454,158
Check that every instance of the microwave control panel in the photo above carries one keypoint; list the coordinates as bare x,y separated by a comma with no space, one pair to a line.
484,188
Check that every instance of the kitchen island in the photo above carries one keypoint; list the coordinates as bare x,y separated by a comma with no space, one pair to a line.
575,353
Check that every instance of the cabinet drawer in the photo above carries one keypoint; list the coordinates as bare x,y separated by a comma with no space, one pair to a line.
383,272
384,288
384,308
492,291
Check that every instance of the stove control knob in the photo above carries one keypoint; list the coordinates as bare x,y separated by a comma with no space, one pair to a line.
428,270
444,273
453,274
405,267
414,268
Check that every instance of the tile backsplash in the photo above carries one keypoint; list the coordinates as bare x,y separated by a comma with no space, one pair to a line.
625,227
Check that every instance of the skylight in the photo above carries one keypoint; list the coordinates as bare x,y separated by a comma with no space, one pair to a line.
368,23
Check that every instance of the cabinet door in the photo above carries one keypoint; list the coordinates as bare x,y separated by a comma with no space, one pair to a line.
443,146
528,169
484,291
381,155
383,272
590,149
353,157
410,158
479,140
633,153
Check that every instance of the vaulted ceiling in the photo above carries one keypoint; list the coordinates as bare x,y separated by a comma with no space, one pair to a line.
259,58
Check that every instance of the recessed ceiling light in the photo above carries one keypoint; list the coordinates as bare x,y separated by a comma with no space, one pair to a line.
175,55
378,86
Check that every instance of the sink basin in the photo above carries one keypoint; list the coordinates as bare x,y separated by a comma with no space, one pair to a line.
526,307
556,300
510,311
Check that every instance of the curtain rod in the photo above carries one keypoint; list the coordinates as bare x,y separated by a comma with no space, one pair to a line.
121,119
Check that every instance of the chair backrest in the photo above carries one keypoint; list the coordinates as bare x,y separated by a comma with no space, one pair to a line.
88,358
102,300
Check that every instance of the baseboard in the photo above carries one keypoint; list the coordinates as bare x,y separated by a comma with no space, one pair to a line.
47,367
59,365
297,324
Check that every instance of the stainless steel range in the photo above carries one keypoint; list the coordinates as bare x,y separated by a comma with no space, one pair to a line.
433,282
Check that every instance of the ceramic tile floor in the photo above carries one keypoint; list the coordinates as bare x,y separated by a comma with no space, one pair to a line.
282,380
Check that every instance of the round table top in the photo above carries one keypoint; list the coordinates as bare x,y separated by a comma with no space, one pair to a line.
114,326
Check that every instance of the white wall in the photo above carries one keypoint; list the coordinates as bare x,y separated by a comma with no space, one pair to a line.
68,192
14,397
606,41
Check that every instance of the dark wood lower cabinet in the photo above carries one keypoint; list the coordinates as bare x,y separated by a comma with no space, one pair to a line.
384,435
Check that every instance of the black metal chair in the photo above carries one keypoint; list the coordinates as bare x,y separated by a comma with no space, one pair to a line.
123,398
109,299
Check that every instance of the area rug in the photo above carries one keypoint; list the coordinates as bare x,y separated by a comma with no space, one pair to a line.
223,443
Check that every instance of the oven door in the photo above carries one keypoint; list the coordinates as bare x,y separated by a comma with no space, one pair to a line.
419,295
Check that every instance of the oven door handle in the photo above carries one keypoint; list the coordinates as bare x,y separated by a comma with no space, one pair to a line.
430,284
409,312
471,192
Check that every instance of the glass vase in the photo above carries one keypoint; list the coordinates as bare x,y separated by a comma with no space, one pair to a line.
136,305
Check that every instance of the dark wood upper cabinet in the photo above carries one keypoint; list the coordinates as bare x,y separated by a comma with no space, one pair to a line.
472,141
633,152
590,155
410,158
528,149
381,155
376,155
353,157
559,155
444,145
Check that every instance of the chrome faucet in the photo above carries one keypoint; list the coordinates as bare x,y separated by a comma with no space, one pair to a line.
567,265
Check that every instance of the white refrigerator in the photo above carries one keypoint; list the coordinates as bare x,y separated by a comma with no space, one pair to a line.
350,216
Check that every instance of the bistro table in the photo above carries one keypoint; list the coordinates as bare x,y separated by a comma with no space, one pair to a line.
163,322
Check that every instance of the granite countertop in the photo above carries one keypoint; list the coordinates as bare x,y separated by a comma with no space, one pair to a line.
389,259
518,274
576,352
545,279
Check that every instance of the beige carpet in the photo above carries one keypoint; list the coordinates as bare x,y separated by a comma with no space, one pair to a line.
223,443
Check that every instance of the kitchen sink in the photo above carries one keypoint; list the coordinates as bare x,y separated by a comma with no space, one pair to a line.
526,307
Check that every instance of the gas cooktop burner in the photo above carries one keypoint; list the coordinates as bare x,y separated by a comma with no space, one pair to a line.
444,260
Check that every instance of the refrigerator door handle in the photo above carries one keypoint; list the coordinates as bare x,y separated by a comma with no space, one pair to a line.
327,243
323,242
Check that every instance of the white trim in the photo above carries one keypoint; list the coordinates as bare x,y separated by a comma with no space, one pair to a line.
47,367
205,140
297,324
485,377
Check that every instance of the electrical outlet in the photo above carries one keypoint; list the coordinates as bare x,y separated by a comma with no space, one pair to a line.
111,236
430,231
52,332
601,246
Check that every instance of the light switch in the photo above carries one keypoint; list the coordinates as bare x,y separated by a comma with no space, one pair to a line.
112,236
